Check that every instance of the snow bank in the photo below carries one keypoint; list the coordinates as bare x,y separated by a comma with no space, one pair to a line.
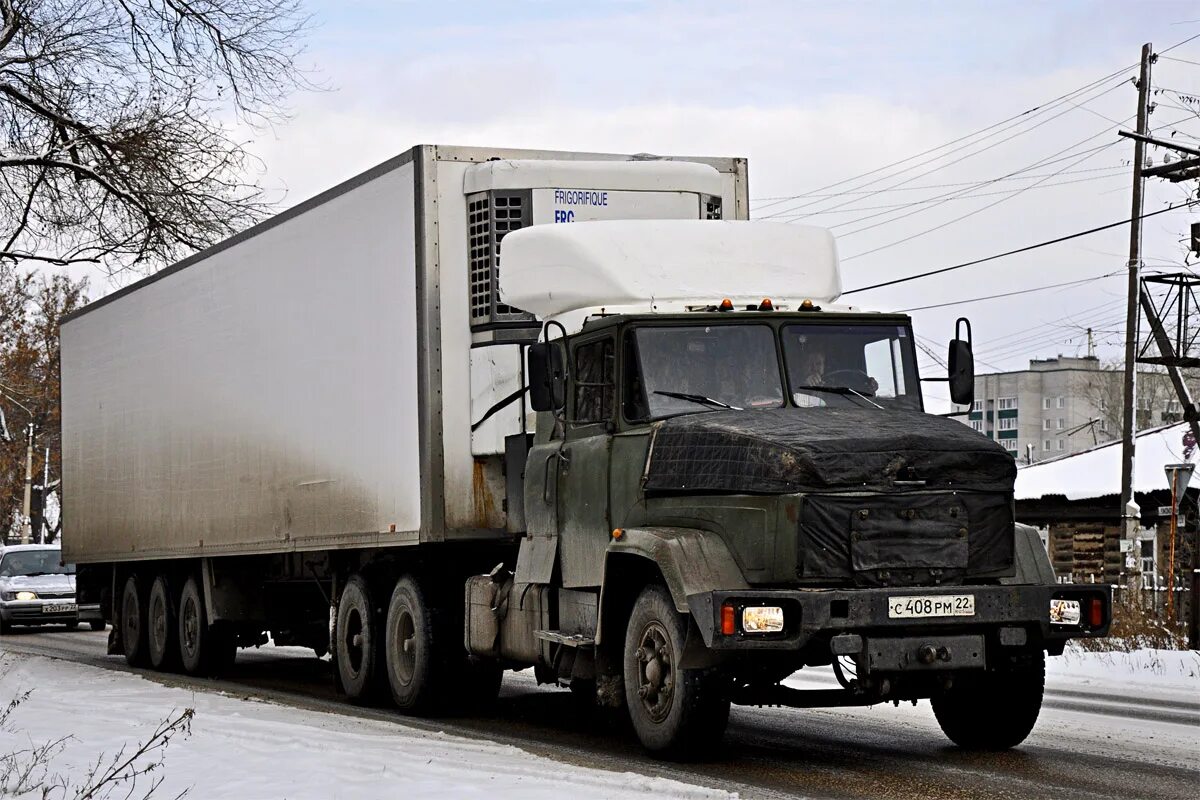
1149,671
242,748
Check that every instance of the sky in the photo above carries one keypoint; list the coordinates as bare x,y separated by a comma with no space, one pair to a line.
813,94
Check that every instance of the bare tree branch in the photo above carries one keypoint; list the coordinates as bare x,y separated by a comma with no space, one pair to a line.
116,144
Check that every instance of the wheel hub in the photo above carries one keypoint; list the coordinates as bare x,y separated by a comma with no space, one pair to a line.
656,671
406,636
354,640
191,625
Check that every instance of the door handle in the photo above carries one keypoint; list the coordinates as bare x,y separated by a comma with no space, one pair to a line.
560,458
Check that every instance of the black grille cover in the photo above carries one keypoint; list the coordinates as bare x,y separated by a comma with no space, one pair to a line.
789,450
893,497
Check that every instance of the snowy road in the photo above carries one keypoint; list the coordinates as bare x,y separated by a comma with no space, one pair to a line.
1100,735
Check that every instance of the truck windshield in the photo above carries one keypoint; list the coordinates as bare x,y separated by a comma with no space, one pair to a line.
687,369
34,562
851,365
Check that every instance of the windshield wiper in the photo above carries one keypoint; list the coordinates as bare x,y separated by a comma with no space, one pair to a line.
845,391
35,574
697,398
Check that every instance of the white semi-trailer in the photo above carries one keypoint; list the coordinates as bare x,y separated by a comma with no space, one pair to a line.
483,409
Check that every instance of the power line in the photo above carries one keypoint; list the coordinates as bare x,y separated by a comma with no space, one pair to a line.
959,218
960,183
939,200
1036,110
1019,250
1018,119
1011,294
972,153
960,159
1180,60
1010,194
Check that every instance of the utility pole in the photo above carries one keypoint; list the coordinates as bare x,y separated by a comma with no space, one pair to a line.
42,503
1130,513
26,528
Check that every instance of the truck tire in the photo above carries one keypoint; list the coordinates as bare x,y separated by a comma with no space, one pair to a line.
411,651
994,710
162,628
357,641
428,670
204,649
677,713
133,622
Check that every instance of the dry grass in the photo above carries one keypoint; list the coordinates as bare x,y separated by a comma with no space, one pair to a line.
1137,625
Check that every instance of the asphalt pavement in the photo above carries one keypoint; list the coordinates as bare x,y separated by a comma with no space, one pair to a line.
1087,744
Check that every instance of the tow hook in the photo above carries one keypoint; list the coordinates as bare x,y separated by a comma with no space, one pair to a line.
928,653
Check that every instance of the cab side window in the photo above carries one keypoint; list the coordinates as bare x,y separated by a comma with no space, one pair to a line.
594,385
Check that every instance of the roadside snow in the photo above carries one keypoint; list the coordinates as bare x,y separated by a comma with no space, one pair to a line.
1144,702
241,748
1151,673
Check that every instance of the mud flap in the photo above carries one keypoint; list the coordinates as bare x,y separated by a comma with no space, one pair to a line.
697,655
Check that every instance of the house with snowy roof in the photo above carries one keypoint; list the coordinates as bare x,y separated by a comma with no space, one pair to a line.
1075,501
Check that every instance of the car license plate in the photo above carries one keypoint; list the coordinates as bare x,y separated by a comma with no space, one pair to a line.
58,608
935,605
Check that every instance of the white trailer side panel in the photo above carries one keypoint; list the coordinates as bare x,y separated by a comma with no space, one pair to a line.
260,399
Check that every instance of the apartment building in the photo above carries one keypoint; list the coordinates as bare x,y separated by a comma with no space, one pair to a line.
1062,405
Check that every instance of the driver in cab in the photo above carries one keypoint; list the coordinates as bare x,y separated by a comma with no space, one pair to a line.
813,374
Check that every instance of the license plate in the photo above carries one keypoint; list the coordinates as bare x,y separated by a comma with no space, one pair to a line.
935,605
58,608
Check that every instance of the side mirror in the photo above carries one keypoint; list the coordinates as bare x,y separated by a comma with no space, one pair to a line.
962,365
547,377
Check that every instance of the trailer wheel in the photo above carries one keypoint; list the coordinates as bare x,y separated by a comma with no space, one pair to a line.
995,710
357,645
410,650
427,667
133,622
161,626
204,648
677,713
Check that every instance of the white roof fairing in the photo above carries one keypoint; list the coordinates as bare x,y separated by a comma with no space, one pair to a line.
665,265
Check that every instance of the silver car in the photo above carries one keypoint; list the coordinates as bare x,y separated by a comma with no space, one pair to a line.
36,588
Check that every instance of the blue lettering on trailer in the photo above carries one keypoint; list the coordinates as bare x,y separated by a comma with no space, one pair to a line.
563,216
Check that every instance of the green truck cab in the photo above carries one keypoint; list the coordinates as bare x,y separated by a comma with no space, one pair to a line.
720,492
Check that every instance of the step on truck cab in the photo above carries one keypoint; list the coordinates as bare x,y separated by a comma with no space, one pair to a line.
481,409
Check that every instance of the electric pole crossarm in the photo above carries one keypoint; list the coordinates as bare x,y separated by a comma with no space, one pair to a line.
1170,359
1144,139
1185,170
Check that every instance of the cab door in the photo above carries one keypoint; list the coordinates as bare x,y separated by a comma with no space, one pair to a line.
584,523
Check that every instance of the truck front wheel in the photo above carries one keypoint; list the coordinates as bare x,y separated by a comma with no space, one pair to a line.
994,710
677,713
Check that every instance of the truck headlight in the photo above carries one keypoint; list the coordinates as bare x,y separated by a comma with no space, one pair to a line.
762,619
1064,612
20,596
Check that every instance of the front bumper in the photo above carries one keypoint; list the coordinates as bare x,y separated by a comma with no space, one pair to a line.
1009,614
34,612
